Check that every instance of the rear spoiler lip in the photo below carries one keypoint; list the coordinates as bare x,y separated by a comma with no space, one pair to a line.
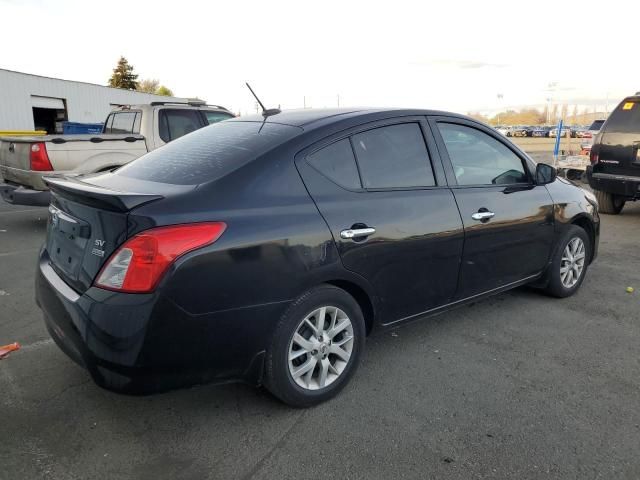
75,189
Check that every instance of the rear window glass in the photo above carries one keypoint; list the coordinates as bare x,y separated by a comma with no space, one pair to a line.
214,117
625,118
209,153
125,122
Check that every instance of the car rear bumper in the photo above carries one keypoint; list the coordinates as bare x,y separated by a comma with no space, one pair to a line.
19,195
623,185
142,344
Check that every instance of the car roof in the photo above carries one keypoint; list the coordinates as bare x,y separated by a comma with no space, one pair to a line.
311,117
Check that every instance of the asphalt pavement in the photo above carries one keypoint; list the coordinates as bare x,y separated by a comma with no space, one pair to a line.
517,386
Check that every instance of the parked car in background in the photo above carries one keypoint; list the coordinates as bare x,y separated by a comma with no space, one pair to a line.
129,132
540,131
566,132
614,174
504,130
519,131
266,248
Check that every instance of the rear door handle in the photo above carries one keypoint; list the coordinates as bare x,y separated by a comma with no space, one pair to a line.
357,232
483,215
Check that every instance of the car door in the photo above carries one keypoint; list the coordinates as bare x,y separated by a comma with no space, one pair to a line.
508,220
383,194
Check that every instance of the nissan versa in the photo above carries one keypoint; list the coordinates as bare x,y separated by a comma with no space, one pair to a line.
267,248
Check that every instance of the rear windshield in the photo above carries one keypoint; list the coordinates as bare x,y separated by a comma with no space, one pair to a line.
625,118
209,153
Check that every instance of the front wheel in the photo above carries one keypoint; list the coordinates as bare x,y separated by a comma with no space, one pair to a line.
316,347
569,264
609,203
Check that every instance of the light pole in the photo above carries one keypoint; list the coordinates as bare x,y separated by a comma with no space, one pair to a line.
500,97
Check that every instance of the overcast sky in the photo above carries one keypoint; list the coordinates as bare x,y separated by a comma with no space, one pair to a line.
453,55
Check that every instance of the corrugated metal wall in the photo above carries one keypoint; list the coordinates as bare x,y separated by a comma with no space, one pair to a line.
85,102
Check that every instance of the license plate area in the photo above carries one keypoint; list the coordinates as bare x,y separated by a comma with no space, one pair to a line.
67,239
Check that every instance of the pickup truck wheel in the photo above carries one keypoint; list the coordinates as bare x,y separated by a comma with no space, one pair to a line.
609,203
569,264
316,347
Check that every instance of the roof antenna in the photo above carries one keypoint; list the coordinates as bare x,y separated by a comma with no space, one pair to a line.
265,112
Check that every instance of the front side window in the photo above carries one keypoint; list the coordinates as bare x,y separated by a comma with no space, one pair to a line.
337,163
393,157
175,123
480,159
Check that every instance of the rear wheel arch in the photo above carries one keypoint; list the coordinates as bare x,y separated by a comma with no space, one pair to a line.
360,296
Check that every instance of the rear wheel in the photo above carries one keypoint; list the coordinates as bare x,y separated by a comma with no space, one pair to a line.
316,347
609,203
569,264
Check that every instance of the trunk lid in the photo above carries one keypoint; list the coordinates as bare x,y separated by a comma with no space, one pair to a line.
87,223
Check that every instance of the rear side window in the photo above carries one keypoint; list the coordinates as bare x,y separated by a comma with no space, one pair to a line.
393,157
176,123
337,163
123,122
596,125
209,153
215,117
480,159
625,118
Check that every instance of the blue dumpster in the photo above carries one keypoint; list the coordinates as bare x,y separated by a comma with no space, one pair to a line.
85,128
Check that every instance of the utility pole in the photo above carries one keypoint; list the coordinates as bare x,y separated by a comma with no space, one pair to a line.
338,99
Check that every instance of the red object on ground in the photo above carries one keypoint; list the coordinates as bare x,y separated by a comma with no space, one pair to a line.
7,349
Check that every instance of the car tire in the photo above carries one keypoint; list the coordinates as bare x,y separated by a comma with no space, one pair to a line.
562,277
285,356
609,203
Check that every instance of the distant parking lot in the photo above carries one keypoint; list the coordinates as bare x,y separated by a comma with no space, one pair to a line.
516,386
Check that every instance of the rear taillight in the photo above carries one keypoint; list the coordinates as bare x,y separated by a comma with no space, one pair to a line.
138,265
39,159
593,156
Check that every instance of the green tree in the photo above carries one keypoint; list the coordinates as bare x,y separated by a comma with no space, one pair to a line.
162,90
148,85
123,76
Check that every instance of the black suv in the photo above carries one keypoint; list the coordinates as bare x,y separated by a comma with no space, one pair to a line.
614,173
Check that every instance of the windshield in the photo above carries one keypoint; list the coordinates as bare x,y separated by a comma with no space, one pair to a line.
209,153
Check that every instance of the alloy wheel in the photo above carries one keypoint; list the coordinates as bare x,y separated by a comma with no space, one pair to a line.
572,263
320,348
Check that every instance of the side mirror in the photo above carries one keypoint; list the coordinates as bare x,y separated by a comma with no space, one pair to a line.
545,174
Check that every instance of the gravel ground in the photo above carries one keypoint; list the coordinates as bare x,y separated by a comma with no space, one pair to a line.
516,386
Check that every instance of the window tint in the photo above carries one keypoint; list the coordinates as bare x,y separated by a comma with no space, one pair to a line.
123,122
209,153
175,123
479,159
337,163
393,156
214,117
625,118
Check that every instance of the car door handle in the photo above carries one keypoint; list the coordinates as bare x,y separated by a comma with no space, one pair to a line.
357,232
482,215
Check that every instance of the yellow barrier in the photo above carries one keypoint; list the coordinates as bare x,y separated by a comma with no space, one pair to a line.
21,133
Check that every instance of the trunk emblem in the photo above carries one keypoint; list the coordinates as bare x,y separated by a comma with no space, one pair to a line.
98,250
12,147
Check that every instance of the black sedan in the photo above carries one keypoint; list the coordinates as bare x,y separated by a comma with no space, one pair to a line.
266,248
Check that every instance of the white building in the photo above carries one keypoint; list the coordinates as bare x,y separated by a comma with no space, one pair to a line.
32,102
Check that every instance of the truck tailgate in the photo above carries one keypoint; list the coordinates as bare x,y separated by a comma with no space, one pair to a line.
14,154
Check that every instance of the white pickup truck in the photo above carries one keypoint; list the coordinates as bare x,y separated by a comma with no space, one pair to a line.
128,133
